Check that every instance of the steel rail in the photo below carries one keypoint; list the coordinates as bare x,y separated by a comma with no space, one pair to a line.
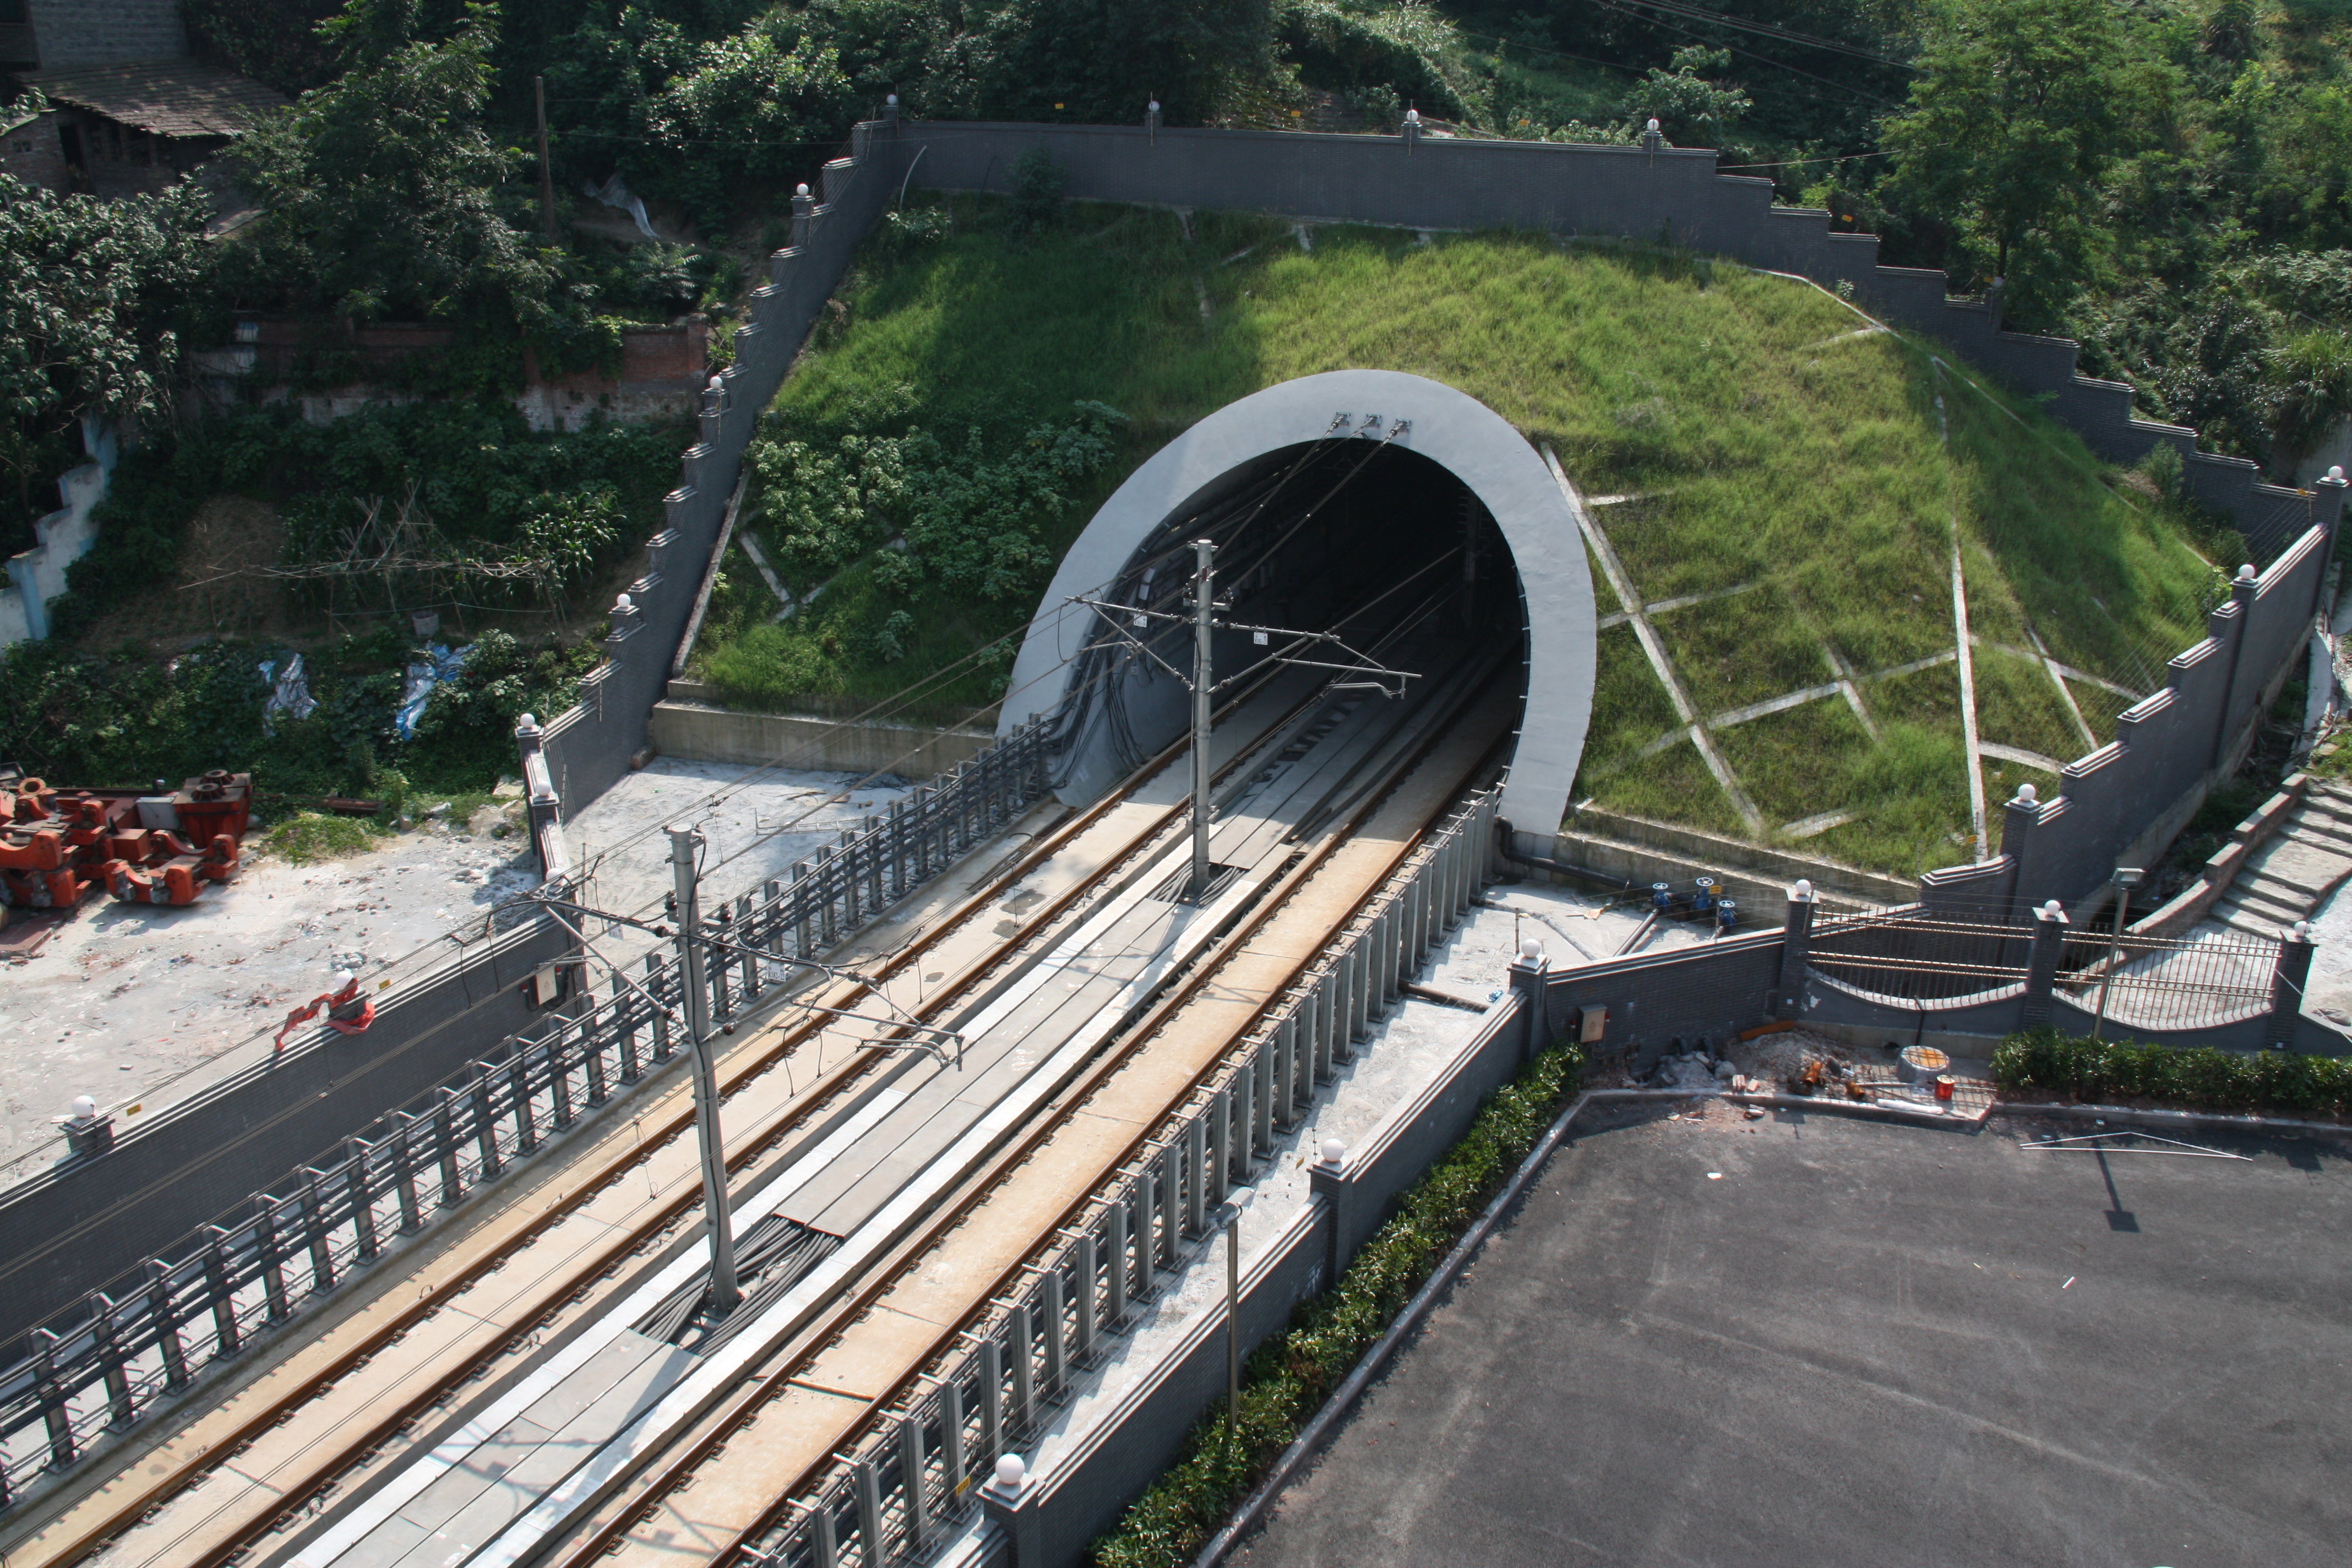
146,1489
619,1512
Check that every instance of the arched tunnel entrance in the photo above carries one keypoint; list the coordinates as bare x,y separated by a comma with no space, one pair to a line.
1404,517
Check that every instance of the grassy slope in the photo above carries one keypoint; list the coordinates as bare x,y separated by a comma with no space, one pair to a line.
1768,445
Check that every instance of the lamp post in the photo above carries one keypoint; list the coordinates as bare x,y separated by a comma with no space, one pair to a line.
2126,878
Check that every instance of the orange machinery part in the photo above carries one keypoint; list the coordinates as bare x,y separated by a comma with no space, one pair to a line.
177,881
57,846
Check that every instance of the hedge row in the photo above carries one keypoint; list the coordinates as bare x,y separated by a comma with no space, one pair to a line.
2202,1079
1288,1377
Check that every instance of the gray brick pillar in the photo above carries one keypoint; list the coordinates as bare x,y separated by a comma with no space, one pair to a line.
2328,511
2288,976
2227,626
2020,816
1410,129
1332,1178
804,209
2042,965
540,797
890,113
1531,973
1014,1510
1796,949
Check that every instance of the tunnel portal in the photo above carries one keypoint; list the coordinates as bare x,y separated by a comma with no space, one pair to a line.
1390,508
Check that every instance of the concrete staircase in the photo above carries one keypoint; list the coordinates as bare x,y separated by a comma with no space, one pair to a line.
2288,878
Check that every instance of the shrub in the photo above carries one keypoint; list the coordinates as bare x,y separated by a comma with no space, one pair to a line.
1290,1376
2201,1077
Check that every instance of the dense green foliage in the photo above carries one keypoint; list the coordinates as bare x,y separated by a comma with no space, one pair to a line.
577,501
119,719
1290,1376
2045,1061
95,305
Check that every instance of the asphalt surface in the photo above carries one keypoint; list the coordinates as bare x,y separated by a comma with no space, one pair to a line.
1868,1344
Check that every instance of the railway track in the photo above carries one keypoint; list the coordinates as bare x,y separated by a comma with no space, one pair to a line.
931,950
281,1469
776,1449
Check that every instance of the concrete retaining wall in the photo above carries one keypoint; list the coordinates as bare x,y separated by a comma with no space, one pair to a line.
707,734
61,538
589,746
84,1222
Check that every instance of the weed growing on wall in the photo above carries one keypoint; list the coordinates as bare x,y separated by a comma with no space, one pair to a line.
2203,1079
1288,1377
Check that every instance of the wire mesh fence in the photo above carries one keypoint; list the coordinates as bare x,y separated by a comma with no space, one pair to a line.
1960,954
2169,982
1921,958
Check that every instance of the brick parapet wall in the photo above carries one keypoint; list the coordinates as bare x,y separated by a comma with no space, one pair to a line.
71,32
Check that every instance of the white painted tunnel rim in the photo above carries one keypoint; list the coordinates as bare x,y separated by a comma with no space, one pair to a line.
1461,435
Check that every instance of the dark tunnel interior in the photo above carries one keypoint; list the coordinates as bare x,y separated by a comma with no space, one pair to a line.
1366,539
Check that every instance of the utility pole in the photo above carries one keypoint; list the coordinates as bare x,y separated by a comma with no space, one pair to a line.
683,842
2126,878
546,179
1125,620
1204,607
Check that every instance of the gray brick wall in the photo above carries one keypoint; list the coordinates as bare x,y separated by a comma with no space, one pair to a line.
71,1230
72,32
589,746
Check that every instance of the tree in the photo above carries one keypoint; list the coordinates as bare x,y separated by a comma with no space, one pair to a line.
2019,108
1683,102
1102,60
93,310
382,196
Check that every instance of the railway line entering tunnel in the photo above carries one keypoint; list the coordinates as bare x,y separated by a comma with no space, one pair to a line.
864,1165
930,1240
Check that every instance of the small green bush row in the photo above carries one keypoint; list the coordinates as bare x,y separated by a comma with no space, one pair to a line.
2201,1078
1288,1377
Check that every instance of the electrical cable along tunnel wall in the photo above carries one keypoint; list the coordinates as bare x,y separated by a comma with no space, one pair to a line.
1343,502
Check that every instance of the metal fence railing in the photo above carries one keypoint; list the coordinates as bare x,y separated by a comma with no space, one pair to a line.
891,1497
1939,959
1913,957
2170,983
99,1368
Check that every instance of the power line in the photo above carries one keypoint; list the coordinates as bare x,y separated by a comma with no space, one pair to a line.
1768,30
1620,6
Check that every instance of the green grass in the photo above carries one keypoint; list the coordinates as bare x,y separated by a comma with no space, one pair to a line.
307,837
1766,445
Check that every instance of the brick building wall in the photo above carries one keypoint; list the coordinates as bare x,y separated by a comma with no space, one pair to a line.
72,32
30,151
